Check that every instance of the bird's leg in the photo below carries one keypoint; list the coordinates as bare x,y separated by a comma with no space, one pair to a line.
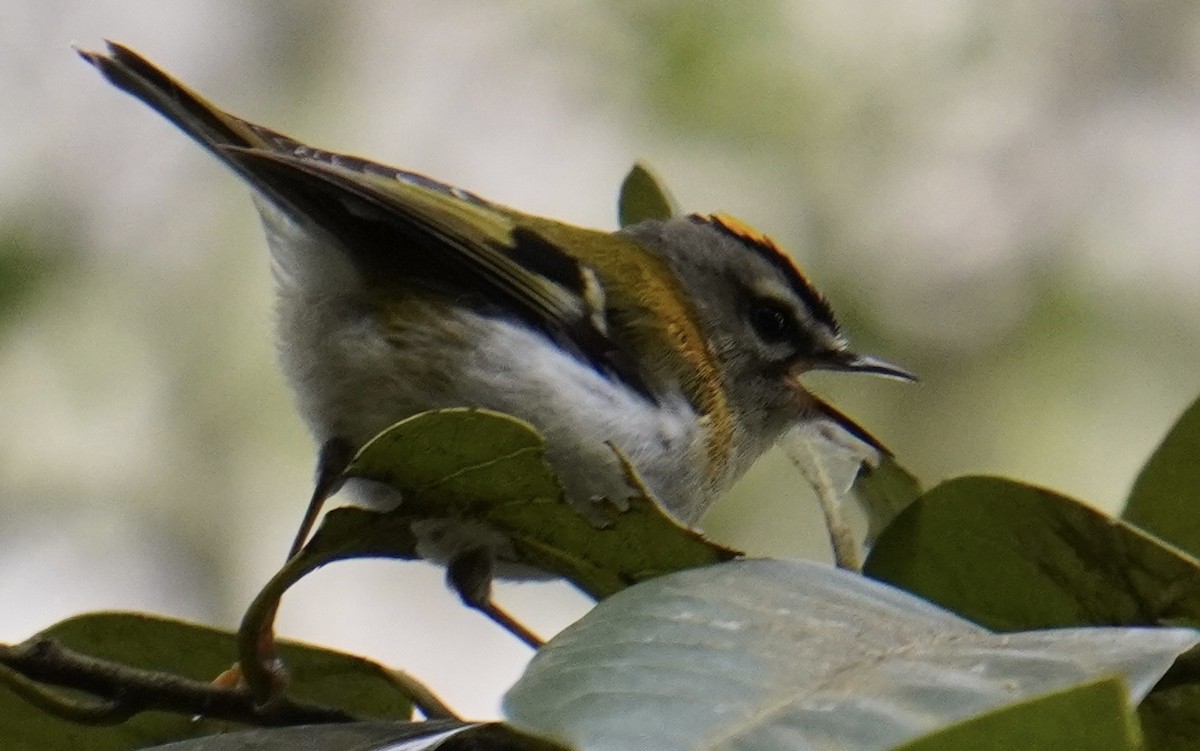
332,460
470,575
334,457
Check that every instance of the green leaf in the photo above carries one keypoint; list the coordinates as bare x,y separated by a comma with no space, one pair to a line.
640,543
1171,718
1095,717
762,654
455,462
344,533
192,651
487,468
490,467
884,491
1165,500
352,532
1013,557
446,463
643,197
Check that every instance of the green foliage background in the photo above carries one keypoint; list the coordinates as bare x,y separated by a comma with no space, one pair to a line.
1002,198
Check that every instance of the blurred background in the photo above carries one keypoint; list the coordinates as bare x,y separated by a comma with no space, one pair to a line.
1000,196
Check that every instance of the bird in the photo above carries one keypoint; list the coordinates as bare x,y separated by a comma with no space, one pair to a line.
675,343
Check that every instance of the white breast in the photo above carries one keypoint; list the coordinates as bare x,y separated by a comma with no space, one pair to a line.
354,375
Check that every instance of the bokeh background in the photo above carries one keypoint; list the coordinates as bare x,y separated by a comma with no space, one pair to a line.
1001,196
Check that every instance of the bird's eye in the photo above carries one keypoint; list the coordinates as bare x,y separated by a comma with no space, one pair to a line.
772,322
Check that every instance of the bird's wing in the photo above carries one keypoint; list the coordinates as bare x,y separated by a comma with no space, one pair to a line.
397,227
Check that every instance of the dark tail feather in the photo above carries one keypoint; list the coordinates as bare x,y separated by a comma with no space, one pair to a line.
208,125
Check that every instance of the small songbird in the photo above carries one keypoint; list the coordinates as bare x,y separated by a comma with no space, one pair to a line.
680,341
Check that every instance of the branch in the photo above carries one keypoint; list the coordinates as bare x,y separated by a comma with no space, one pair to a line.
121,691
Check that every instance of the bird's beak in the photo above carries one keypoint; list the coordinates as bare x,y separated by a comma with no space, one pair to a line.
846,362
843,421
849,362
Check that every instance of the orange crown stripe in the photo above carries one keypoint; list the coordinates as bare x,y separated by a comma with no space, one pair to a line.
776,255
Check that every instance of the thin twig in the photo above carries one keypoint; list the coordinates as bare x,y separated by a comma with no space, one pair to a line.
122,691
83,711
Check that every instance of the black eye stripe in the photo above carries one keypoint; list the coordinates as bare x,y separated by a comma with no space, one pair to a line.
759,243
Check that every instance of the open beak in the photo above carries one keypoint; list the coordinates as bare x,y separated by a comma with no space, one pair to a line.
843,421
849,362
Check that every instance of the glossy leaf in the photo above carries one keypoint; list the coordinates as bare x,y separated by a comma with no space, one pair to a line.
1013,557
758,654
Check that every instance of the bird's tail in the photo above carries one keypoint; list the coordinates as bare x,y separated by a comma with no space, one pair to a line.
211,127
